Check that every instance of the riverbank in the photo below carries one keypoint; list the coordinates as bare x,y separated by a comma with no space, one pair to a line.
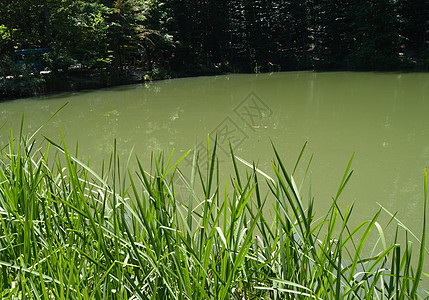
24,83
28,84
43,83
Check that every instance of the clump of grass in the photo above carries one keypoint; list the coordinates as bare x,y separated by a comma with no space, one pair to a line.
70,233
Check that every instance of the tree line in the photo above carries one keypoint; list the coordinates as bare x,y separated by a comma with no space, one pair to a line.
269,35
204,36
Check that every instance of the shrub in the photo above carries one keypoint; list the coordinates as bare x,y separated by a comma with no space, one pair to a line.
17,81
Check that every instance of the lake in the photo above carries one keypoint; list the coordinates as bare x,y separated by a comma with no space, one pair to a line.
383,118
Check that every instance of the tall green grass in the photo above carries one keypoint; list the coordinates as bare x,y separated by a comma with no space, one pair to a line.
68,232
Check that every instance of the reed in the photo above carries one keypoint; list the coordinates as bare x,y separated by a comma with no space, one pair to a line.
68,232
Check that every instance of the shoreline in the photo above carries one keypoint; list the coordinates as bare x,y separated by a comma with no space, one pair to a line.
49,83
82,80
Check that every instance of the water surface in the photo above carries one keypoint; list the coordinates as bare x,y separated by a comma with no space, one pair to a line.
381,118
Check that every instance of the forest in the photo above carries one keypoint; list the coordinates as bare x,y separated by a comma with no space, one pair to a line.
173,38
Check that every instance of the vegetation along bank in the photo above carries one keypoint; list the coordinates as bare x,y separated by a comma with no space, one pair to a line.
97,43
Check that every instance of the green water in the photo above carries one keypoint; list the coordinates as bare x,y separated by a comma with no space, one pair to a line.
382,118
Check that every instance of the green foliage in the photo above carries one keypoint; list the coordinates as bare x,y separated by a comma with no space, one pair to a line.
157,74
79,29
6,38
58,59
16,79
25,24
68,232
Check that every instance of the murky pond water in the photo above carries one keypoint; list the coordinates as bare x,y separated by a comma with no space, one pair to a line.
382,118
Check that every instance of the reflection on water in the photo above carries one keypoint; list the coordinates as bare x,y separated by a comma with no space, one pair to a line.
382,118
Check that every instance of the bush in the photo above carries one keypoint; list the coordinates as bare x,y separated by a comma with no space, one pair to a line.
58,59
17,81
157,74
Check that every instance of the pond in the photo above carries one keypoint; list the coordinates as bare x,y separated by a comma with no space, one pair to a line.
381,118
